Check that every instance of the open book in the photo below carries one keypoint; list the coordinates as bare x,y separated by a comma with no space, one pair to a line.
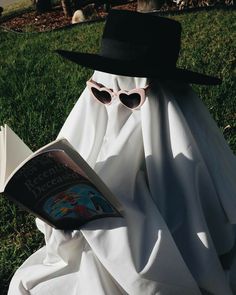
55,183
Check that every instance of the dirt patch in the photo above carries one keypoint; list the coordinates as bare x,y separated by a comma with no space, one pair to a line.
55,19
37,22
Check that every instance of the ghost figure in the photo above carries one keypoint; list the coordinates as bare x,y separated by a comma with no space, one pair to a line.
172,171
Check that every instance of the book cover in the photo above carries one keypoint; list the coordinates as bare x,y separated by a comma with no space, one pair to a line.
58,186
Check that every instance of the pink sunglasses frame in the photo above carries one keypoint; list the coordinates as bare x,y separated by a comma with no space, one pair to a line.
141,91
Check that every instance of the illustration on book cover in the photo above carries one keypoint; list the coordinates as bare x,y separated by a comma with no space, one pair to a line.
79,201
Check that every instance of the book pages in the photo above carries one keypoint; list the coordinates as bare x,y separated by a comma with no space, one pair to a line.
16,151
2,158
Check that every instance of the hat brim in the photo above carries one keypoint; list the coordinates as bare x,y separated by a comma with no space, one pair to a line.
136,68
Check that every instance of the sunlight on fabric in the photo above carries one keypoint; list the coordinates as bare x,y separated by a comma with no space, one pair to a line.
179,134
202,236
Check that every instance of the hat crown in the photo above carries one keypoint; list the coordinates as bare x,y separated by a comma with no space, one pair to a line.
133,35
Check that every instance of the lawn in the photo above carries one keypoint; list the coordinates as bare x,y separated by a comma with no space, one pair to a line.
38,90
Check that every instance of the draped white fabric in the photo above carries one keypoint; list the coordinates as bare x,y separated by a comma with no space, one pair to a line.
174,174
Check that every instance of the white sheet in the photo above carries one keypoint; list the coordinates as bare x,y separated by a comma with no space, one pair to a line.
174,174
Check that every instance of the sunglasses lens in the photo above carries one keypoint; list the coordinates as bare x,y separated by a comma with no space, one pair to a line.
132,101
103,96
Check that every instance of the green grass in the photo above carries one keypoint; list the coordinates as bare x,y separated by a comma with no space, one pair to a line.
38,90
209,47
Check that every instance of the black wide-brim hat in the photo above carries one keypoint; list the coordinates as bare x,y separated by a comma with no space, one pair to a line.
138,44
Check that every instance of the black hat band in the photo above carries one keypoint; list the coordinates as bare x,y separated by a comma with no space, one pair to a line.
119,50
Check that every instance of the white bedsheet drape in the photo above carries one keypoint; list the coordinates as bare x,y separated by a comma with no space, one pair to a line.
174,174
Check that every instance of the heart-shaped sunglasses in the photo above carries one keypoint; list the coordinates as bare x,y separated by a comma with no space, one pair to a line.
132,99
